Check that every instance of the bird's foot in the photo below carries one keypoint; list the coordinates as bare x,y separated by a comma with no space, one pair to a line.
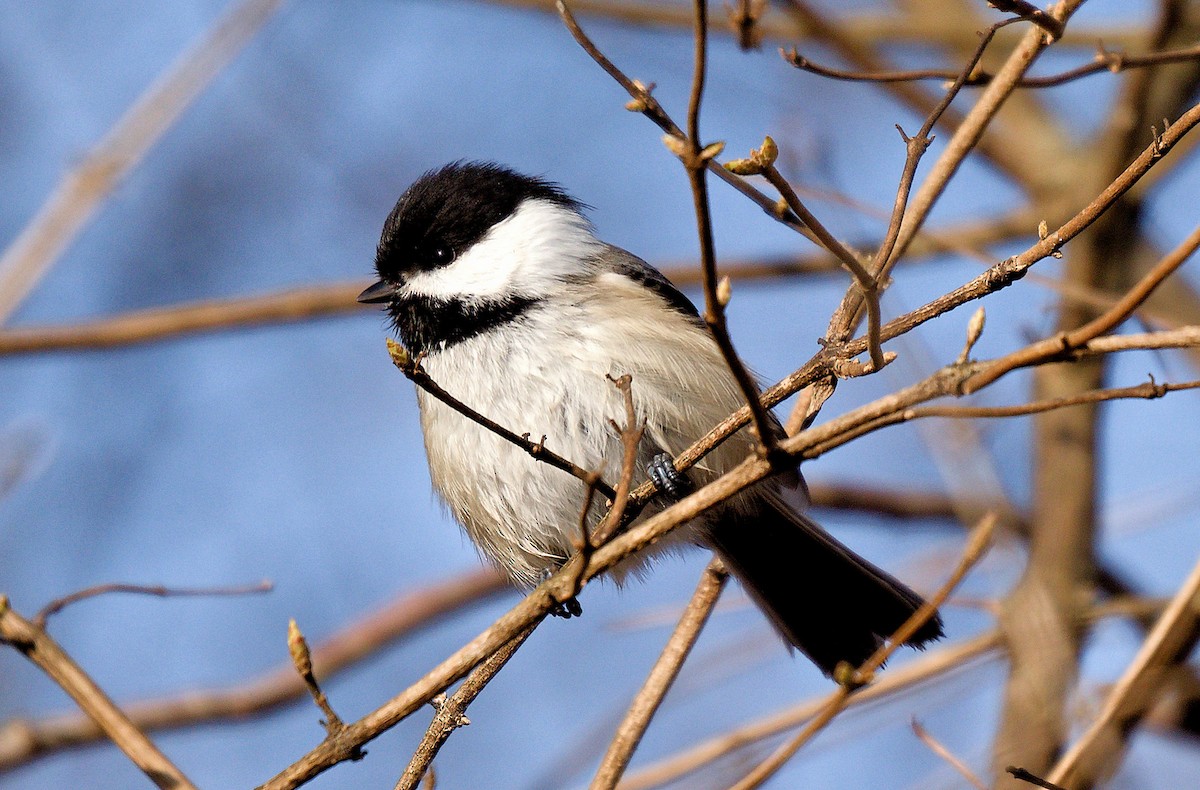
564,609
667,478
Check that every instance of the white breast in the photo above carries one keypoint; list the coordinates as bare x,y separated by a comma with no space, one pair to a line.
545,374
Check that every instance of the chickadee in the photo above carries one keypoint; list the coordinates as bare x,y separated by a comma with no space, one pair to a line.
497,280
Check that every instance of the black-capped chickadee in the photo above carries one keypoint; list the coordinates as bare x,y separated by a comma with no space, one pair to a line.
497,280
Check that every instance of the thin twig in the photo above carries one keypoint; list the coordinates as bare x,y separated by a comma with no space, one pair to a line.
935,665
22,741
915,147
948,756
414,372
82,191
922,669
849,259
843,319
164,323
906,502
854,678
1104,61
995,278
645,103
1027,10
58,604
863,28
662,676
451,712
961,143
1150,390
586,544
1023,775
696,161
1065,343
36,645
631,437
838,34
302,661
1183,337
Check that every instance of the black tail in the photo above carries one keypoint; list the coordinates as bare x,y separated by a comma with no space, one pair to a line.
825,599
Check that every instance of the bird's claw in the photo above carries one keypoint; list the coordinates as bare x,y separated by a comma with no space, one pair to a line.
564,609
667,478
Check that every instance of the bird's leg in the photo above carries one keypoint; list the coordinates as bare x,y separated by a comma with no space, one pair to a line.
667,478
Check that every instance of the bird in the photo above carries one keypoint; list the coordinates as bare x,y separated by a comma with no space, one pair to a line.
497,282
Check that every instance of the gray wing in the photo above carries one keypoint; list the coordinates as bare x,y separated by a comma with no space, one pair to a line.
615,259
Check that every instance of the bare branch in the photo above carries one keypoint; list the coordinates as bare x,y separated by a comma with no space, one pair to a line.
22,741
451,712
1027,10
1183,337
935,665
697,161
302,661
841,321
58,604
854,678
1150,390
963,141
902,678
1104,61
412,370
631,437
861,28
647,105
1168,643
163,323
763,161
1066,342
35,644
954,762
648,699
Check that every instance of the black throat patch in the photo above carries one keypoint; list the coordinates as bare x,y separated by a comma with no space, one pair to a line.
427,325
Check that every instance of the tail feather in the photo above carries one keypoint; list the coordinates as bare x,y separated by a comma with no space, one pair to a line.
826,600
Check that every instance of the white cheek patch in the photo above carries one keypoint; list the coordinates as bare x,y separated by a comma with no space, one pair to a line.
526,254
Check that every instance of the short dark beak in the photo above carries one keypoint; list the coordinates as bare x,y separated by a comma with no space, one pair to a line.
377,293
